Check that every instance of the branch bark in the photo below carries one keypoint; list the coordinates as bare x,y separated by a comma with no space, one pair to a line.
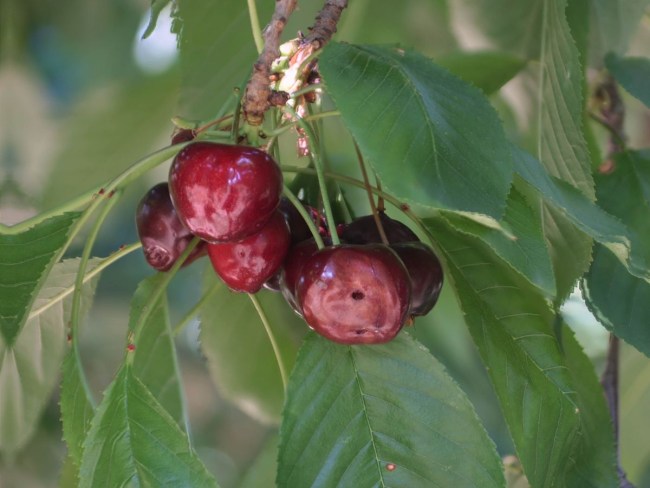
325,25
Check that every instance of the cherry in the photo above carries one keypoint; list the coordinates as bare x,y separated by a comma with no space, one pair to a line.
354,294
296,257
425,272
364,230
222,192
299,229
163,236
246,264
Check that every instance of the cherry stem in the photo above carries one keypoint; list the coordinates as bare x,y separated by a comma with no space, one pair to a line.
255,26
320,174
78,287
305,215
212,123
274,344
380,200
105,263
371,199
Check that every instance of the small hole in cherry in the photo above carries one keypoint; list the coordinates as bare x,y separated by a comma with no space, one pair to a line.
358,295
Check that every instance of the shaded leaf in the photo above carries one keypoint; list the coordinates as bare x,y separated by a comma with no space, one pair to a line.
626,244
25,260
240,357
433,139
353,411
155,362
261,473
632,74
617,299
487,70
134,441
29,368
526,250
549,395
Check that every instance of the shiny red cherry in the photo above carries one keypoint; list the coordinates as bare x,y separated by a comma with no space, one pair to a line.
355,294
222,192
293,263
163,236
246,264
425,272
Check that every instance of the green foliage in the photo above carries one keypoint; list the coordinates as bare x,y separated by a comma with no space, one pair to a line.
632,74
25,260
410,120
133,440
29,367
513,328
353,411
157,6
240,357
619,300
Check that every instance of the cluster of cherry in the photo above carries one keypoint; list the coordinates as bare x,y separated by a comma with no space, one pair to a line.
359,292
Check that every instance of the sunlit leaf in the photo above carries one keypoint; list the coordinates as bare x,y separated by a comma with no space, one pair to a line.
133,441
433,139
632,74
29,368
381,415
25,260
548,392
240,356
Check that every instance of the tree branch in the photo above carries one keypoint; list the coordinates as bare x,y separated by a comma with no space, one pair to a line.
325,25
258,90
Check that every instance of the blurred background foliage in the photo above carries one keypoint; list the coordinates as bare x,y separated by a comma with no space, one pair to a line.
82,97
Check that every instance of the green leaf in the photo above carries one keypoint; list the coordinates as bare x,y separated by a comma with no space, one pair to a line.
155,362
433,139
261,474
612,26
353,411
626,244
25,260
133,441
526,250
549,394
77,407
240,357
157,6
487,70
617,299
29,368
221,33
632,74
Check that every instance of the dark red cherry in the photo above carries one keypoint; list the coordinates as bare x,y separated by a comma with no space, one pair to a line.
163,236
293,263
183,135
355,294
246,264
364,230
224,193
299,229
426,275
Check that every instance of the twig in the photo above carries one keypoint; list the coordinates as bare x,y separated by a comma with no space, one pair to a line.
325,25
609,381
371,199
258,89
612,113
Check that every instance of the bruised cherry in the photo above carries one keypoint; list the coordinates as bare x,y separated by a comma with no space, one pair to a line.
364,230
354,294
223,192
425,272
290,273
163,236
247,264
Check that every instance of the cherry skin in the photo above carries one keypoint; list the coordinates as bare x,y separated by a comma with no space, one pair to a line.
246,264
425,272
299,229
355,294
293,263
224,193
364,230
163,236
